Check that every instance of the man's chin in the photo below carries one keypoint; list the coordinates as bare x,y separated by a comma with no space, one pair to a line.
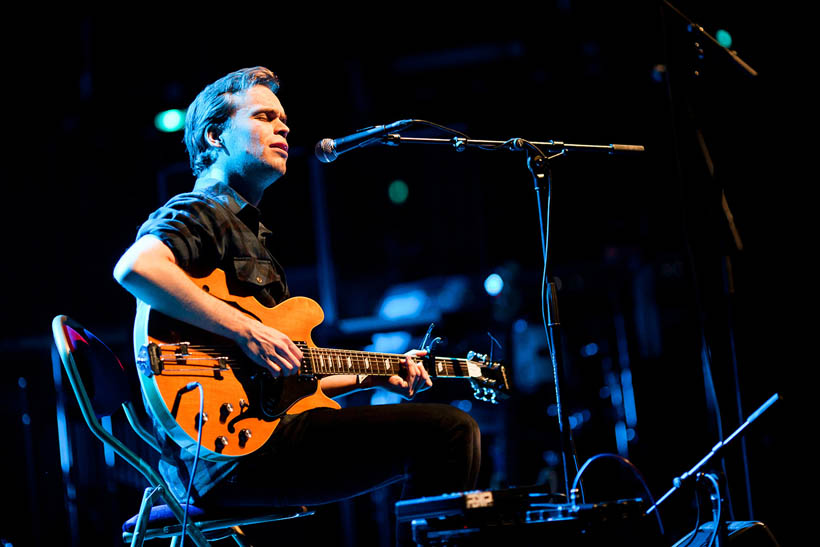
274,173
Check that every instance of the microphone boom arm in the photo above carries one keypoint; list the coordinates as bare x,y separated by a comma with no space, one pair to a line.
461,143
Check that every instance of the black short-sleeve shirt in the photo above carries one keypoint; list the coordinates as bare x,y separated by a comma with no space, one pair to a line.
214,227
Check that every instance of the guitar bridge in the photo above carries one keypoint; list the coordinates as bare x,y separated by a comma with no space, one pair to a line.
182,350
149,360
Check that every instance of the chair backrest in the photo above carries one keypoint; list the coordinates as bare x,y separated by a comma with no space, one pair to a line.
92,368
101,385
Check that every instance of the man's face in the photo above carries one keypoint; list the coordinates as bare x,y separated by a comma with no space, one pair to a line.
256,135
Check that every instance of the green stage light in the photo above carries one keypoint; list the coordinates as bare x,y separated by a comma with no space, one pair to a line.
724,38
398,191
170,120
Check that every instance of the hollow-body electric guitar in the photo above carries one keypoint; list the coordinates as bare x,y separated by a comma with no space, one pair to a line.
243,403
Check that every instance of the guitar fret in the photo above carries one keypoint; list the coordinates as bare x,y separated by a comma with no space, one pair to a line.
331,361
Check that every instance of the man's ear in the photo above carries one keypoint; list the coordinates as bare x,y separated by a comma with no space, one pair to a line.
213,135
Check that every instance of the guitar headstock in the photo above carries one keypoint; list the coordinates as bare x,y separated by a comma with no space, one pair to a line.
493,383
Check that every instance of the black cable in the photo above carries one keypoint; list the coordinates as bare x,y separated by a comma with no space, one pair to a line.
697,522
190,386
629,466
441,128
714,482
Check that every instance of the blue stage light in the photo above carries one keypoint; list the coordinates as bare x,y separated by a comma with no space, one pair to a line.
589,349
493,284
403,305
389,342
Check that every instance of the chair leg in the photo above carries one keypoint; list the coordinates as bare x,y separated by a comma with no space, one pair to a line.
142,520
239,537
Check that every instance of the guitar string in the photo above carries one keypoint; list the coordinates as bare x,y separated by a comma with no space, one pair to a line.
357,367
323,359
332,357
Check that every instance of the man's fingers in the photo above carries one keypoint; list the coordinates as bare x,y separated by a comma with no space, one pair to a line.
294,350
290,358
276,370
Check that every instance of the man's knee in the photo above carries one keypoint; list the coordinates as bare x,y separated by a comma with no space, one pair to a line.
460,424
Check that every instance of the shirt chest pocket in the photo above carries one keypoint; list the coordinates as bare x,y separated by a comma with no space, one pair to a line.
255,271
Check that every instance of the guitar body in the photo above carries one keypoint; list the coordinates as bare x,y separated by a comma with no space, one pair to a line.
242,402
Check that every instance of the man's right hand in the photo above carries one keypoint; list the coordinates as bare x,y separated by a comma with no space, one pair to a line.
270,348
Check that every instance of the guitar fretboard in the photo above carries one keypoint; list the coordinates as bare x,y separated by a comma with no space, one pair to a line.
334,361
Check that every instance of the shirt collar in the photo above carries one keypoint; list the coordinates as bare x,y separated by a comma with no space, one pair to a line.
229,197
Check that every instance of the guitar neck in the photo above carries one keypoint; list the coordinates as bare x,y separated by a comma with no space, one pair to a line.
325,361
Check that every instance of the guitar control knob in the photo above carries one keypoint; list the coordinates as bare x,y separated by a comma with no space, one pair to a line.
244,436
225,411
242,405
204,419
221,442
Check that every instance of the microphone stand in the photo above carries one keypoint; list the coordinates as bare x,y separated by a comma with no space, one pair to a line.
539,167
699,30
677,482
702,39
538,163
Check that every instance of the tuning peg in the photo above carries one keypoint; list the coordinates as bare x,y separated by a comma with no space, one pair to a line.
484,390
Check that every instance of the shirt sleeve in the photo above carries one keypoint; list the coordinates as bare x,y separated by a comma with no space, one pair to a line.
191,226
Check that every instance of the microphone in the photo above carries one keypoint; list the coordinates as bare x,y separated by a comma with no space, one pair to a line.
328,150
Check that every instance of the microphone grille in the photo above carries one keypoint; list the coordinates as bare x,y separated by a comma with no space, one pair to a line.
325,150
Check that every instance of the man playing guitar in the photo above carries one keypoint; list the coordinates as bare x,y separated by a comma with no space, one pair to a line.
236,135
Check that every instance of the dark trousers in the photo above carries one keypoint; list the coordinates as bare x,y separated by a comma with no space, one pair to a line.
326,455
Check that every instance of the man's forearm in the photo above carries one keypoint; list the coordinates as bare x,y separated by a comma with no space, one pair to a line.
339,384
149,271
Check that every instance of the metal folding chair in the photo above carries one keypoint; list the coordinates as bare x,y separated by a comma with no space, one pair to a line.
102,386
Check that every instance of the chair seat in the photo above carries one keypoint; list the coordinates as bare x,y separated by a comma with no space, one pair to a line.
161,517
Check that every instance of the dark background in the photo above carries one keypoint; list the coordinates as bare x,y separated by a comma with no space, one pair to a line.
639,243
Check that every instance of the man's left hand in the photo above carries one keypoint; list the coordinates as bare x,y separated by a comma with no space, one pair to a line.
415,380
